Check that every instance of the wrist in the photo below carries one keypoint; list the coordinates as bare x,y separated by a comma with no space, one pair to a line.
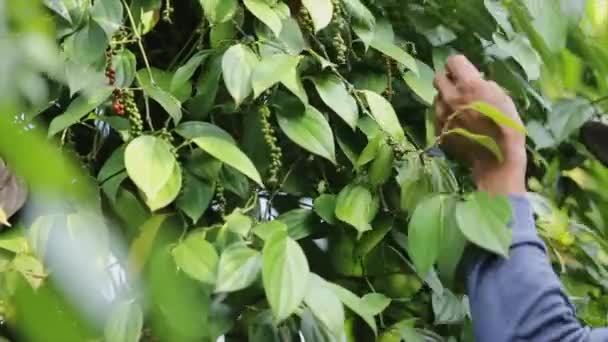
505,178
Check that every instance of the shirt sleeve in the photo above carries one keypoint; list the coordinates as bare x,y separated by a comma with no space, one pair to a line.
521,298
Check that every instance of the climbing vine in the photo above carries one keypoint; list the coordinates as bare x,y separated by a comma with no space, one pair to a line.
269,170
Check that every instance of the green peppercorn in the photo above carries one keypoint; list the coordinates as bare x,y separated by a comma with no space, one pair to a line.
271,140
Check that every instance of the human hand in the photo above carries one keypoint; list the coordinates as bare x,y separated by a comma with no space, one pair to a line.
460,85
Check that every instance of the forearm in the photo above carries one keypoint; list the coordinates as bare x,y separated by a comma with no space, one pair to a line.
521,298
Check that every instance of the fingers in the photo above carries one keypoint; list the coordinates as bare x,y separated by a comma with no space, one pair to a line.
461,69
447,89
442,111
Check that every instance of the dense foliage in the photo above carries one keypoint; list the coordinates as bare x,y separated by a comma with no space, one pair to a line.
267,170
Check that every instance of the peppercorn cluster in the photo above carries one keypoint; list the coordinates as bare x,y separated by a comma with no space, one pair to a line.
130,107
117,104
168,12
220,198
305,21
398,149
338,44
276,154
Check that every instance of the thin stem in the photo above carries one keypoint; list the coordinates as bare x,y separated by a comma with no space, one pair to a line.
444,132
64,135
139,41
274,193
405,260
179,54
183,144
371,287
126,41
147,104
146,61
598,100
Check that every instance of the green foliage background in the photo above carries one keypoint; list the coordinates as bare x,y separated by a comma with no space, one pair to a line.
266,170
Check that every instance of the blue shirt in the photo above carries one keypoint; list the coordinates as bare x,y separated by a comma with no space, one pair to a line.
521,298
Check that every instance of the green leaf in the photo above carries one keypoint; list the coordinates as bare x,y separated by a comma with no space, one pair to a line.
142,246
371,239
321,12
203,165
371,150
482,140
169,103
393,51
129,209
271,70
424,233
235,182
325,207
13,239
360,14
184,73
333,92
422,83
540,135
312,329
108,14
366,309
85,78
496,115
448,308
219,11
195,196
163,79
440,35
292,37
550,23
384,114
501,15
310,130
89,43
263,329
238,268
30,268
414,181
125,66
224,34
196,257
285,275
206,87
238,64
80,107
375,303
149,163
324,304
453,243
239,223
567,116
356,206
220,145
520,49
125,323
265,230
382,167
483,220
169,191
410,334
59,7
266,14
292,81
300,223
441,176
